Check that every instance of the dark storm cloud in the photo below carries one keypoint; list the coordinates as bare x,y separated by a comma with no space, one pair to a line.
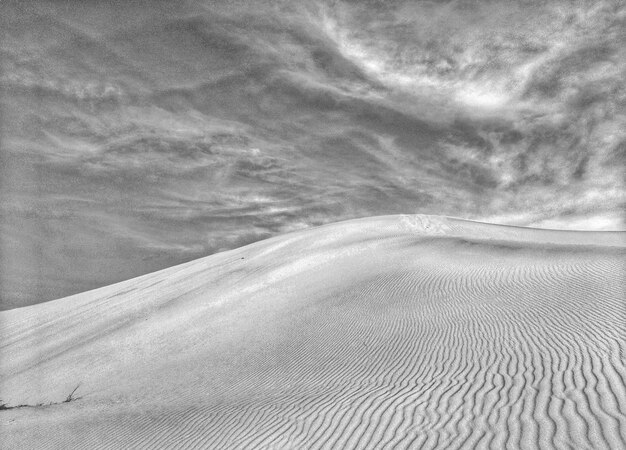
137,135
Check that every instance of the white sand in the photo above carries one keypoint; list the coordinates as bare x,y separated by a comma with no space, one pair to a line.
388,332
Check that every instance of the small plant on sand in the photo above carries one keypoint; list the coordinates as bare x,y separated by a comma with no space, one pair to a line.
70,398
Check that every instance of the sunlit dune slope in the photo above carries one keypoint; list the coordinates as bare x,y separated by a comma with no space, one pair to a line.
387,332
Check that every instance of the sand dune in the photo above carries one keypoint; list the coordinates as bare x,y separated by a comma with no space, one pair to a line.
388,332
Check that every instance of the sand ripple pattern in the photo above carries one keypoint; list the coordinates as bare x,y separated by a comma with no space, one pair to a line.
403,343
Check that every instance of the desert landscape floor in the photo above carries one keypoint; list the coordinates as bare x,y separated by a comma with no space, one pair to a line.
383,333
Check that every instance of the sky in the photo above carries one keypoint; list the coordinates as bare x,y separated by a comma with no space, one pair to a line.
136,135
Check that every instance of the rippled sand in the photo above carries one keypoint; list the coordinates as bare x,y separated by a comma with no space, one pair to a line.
387,332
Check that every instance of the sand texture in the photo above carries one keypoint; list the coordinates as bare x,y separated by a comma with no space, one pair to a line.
383,333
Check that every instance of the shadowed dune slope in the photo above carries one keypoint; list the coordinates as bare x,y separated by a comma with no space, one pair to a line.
388,332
